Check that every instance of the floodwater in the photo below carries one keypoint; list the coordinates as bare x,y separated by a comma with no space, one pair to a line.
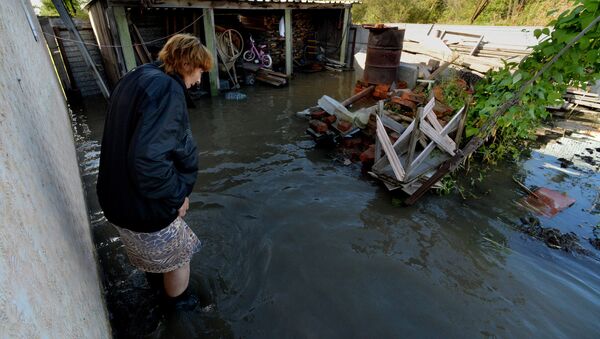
298,245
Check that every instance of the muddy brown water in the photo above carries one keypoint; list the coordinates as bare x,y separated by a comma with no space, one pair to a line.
299,245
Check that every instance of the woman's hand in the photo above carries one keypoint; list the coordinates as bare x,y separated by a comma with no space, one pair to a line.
183,209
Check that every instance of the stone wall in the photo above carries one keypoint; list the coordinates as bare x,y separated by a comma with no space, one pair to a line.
49,282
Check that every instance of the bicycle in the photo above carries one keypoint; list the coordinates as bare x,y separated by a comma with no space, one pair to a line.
257,55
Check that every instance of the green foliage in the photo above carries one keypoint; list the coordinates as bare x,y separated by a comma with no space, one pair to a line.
73,6
498,12
376,11
577,67
455,95
448,185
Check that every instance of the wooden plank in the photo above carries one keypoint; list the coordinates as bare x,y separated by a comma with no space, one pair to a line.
67,21
345,30
210,38
289,56
579,92
582,97
464,111
433,135
392,124
380,113
422,156
433,120
476,46
365,92
384,139
414,137
398,145
55,54
141,46
124,37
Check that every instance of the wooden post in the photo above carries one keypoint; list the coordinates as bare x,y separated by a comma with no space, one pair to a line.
124,37
66,18
57,56
344,42
289,56
210,38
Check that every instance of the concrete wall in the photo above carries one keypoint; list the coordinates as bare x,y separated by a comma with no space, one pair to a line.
49,284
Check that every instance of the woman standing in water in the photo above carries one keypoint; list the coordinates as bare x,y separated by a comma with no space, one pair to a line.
149,164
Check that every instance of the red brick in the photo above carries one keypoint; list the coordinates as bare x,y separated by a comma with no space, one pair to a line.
351,142
344,126
368,155
416,98
406,105
330,119
318,126
318,114
438,93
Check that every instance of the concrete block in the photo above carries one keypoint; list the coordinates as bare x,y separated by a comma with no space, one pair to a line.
408,73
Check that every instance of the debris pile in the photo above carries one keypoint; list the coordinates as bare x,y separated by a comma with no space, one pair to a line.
552,237
402,139
471,51
265,75
580,106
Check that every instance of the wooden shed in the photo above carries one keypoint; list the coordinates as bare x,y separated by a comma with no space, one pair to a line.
131,32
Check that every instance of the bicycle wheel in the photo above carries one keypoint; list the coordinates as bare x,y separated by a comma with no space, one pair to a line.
266,61
248,55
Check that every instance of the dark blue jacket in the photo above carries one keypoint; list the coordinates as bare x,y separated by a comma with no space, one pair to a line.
148,160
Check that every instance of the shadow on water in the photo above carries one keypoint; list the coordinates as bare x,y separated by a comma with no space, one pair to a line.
297,245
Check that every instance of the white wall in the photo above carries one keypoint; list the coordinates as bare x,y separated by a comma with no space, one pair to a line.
49,283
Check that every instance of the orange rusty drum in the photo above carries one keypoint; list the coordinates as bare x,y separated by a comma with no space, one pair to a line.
383,55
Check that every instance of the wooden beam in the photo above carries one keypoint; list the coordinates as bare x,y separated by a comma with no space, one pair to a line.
216,4
210,38
414,137
365,92
289,55
345,30
389,151
55,53
66,18
140,47
125,38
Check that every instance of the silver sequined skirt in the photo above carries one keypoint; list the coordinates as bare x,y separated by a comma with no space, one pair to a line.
162,251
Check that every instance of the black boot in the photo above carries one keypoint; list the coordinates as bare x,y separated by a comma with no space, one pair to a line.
186,301
155,281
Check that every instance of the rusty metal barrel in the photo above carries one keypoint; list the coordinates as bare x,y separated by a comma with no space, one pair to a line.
383,55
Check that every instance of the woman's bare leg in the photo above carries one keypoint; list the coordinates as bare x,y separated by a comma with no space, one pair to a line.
177,281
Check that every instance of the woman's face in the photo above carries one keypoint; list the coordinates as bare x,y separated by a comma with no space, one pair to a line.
193,77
